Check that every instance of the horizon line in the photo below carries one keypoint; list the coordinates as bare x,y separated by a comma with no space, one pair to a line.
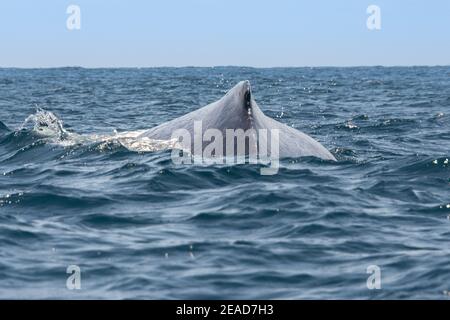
227,66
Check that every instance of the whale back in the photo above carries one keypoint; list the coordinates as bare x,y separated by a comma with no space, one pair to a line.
238,110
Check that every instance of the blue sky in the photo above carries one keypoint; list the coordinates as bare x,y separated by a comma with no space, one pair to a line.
260,33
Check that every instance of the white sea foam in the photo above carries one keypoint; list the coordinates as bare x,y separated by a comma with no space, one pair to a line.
48,126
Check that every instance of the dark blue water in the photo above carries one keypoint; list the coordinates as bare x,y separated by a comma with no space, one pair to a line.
139,226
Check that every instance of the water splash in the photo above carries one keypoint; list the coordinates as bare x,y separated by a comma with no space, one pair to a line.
45,124
49,127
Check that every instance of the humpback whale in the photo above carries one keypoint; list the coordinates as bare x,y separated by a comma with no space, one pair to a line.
238,110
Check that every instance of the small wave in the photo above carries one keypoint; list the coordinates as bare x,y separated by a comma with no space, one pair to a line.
437,118
348,125
421,104
6,81
362,117
397,122
418,165
346,153
390,125
3,128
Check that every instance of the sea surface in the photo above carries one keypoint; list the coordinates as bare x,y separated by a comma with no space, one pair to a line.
75,192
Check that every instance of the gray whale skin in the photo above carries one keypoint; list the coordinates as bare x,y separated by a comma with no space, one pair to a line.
238,110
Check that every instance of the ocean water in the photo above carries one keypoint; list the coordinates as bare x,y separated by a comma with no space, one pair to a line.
74,191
